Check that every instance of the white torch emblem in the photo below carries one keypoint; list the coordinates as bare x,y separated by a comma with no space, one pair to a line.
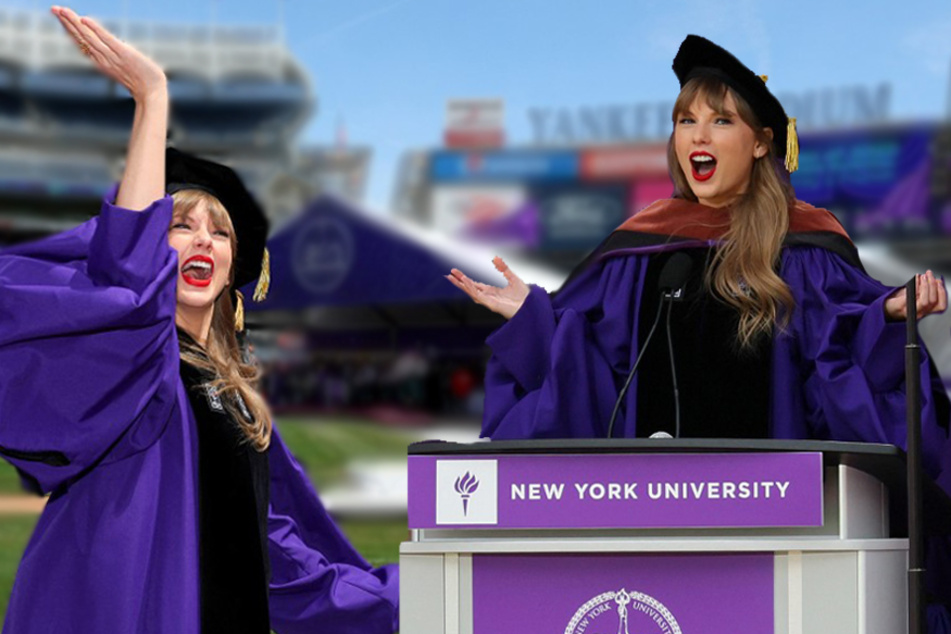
466,485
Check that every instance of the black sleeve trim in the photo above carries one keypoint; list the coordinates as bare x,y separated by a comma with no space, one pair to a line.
834,242
52,458
617,241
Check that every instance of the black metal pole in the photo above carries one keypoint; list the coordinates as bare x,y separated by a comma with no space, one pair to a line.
916,564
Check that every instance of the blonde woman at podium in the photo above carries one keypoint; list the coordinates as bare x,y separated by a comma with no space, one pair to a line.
745,312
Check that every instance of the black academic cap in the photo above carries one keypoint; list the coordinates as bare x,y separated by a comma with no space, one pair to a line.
699,56
184,171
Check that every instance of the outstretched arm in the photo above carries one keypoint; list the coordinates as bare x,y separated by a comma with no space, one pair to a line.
319,583
144,178
848,363
932,298
504,301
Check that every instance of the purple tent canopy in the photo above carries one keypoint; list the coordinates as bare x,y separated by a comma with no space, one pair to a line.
334,255
337,267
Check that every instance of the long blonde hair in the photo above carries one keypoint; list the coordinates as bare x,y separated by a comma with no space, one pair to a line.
221,357
743,271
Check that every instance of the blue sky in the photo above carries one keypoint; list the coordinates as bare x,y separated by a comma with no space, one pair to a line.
387,67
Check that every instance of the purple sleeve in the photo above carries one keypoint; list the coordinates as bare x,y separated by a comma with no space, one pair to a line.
556,363
938,620
938,583
88,355
853,380
319,583
853,360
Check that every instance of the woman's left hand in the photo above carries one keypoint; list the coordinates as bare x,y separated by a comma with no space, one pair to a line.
932,298
141,76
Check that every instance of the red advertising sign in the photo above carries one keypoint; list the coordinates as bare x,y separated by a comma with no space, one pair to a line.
475,123
621,163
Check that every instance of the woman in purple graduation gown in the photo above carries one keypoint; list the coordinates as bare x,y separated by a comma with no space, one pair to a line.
780,334
174,506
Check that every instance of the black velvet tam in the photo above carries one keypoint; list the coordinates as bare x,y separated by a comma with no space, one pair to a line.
184,171
699,56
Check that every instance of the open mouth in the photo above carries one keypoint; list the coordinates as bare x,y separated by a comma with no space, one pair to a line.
198,270
703,165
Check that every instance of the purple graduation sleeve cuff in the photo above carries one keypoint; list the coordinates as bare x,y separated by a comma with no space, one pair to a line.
879,345
523,343
129,248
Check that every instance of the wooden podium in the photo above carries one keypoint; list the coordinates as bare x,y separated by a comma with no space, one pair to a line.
669,536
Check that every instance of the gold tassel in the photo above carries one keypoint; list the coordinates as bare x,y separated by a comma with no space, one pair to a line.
764,78
239,312
264,281
792,146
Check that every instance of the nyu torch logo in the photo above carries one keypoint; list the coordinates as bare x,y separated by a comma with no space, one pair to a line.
466,485
460,481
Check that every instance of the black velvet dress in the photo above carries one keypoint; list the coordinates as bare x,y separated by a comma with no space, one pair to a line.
724,391
233,502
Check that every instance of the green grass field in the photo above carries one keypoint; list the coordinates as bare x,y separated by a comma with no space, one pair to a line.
323,446
15,530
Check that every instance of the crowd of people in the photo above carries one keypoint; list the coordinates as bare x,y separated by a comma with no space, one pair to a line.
417,381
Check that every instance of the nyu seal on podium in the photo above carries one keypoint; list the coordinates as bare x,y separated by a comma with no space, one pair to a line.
622,612
622,593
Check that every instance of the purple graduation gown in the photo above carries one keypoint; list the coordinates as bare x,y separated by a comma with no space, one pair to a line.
837,370
92,409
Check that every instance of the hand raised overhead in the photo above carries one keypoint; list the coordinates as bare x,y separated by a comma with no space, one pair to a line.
143,180
114,58
504,301
932,298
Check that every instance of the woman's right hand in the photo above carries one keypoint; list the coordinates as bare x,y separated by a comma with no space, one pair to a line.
142,77
143,180
504,301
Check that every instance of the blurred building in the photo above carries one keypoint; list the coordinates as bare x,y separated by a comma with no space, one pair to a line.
238,96
588,169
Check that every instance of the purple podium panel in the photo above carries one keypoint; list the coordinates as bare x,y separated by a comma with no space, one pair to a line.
630,593
616,491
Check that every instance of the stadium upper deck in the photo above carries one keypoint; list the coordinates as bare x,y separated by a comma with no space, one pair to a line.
237,93
229,85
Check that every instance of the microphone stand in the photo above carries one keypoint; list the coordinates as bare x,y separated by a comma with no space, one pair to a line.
916,569
674,296
637,362
671,281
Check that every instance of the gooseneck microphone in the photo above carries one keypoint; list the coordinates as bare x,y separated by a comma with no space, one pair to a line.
678,270
671,281
630,375
673,277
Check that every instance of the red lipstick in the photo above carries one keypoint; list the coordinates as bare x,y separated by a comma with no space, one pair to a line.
703,165
198,270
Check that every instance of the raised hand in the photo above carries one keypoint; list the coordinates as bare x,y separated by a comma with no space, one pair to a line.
143,78
932,298
143,180
504,301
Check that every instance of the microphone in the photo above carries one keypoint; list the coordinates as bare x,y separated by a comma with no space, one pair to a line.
678,269
673,276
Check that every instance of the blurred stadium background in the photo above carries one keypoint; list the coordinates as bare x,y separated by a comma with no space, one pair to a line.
365,347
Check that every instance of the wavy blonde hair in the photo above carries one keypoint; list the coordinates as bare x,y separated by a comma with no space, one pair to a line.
222,356
743,271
